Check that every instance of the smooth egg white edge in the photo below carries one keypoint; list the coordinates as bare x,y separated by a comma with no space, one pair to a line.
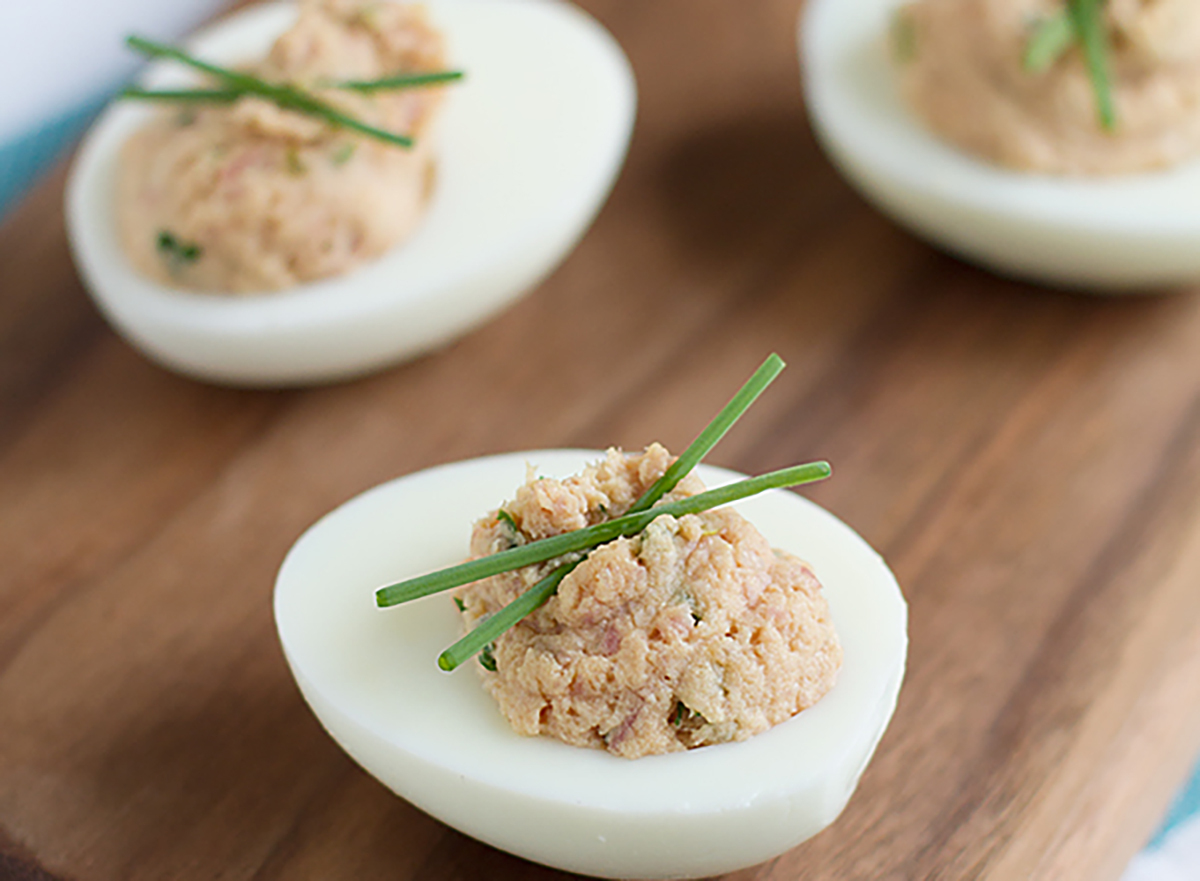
529,146
1113,234
438,740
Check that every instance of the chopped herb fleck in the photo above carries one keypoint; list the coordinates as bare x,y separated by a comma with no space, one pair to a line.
685,597
462,607
683,714
503,516
343,154
177,252
677,715
368,17
486,658
295,164
903,34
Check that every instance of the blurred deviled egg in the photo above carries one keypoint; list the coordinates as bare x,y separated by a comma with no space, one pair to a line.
298,215
1056,140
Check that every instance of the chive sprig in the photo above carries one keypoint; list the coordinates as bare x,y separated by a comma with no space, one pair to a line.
712,433
1082,22
488,630
213,96
548,548
1087,15
590,536
535,597
1049,41
582,541
236,84
401,81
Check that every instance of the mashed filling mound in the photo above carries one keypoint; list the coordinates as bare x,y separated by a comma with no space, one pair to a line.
247,197
692,633
962,70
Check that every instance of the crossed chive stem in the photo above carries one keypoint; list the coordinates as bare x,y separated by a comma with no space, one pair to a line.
236,84
1081,22
582,541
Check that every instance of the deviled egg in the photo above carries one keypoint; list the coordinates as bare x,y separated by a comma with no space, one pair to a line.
526,150
1112,233
439,741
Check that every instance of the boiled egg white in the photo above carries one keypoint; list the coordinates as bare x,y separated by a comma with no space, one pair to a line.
439,741
528,147
1109,234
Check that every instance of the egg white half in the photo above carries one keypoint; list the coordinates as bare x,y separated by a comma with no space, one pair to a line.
528,148
437,739
1117,234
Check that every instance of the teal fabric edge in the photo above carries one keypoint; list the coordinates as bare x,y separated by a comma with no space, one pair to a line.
1185,807
25,157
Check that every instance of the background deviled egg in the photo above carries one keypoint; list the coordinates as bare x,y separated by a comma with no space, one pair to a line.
528,148
1127,233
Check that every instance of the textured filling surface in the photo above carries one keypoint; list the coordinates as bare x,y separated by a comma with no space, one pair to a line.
962,70
247,197
692,633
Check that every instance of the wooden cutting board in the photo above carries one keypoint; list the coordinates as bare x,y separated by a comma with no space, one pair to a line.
1027,460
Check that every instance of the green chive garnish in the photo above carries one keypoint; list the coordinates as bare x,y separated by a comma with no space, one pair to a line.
489,630
216,96
697,450
584,539
486,632
1087,18
903,34
713,432
176,250
402,81
1082,22
287,97
295,165
1050,39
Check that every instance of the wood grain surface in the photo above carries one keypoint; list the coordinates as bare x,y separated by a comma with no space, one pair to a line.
1027,460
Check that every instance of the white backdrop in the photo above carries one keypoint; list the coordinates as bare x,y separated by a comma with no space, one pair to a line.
59,59
56,55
